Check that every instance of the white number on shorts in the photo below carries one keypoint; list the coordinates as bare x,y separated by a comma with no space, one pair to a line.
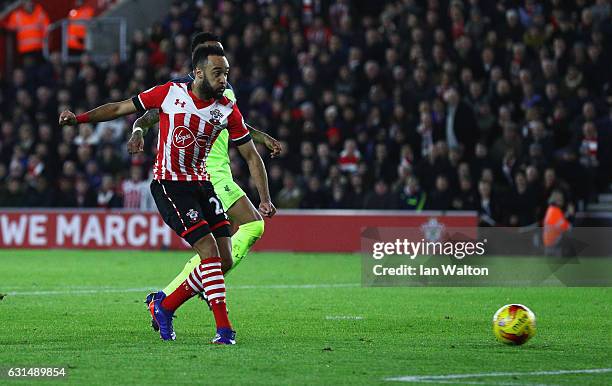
218,207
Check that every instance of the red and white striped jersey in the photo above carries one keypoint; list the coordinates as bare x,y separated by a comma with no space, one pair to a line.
134,193
188,126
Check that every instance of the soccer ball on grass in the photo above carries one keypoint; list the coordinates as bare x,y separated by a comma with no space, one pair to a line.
514,324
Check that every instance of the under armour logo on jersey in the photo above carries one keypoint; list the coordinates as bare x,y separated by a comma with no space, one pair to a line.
179,102
216,116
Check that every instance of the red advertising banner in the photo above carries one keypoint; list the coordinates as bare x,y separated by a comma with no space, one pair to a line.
91,229
299,231
340,230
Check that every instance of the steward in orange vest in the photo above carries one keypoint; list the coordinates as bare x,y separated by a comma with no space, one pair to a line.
78,31
30,22
556,225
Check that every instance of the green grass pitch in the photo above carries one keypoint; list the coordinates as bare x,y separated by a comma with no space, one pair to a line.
300,318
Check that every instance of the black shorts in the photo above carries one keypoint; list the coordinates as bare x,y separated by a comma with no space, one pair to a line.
190,208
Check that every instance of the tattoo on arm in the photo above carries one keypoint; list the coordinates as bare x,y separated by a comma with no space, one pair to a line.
148,120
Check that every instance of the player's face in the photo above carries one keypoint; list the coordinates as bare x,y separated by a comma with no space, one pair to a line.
215,76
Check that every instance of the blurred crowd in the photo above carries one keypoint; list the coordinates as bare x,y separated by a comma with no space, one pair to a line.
407,104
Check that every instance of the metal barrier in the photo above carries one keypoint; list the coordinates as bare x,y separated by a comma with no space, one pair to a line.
105,37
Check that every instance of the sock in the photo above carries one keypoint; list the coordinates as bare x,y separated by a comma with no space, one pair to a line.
244,239
182,276
208,278
176,298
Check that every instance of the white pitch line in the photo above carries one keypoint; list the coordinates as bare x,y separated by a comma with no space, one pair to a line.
433,378
144,289
459,382
79,291
343,317
294,286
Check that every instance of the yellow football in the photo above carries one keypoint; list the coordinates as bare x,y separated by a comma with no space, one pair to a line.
514,324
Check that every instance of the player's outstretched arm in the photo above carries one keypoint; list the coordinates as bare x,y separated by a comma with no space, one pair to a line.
103,113
139,130
258,172
267,140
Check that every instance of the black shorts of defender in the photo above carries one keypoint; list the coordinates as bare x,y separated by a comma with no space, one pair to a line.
190,208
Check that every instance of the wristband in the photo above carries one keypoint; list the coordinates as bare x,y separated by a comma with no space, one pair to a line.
135,129
82,118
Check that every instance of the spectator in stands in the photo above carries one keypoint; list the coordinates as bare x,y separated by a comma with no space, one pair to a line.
354,195
338,199
66,194
135,190
290,195
107,195
380,198
522,203
465,198
488,209
461,128
85,196
441,197
275,179
314,195
39,194
12,195
411,196
591,147
109,162
383,166
349,156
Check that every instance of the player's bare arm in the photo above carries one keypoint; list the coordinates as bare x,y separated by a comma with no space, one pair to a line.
147,120
103,113
265,139
140,129
258,172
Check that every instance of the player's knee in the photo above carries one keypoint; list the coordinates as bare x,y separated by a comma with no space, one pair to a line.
225,251
206,247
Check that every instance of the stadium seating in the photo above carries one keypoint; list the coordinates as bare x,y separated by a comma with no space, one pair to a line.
410,105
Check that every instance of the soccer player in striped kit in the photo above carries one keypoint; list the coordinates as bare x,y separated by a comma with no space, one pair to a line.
192,116
241,211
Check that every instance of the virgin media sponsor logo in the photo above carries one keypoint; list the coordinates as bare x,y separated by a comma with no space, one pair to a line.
182,137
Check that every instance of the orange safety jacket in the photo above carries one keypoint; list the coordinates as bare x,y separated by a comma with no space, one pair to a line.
555,224
78,31
30,28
